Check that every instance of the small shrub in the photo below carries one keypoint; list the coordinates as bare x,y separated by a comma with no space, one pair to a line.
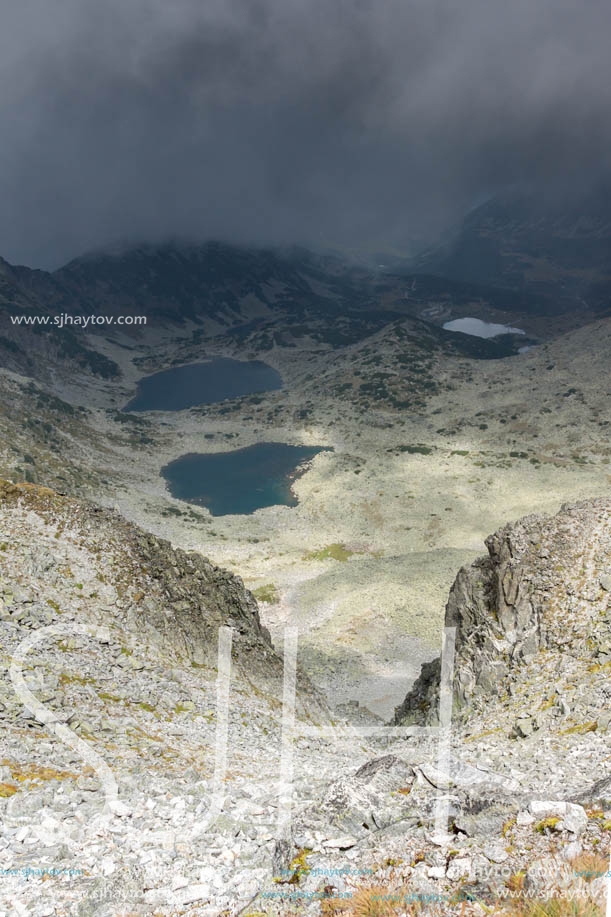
548,824
416,450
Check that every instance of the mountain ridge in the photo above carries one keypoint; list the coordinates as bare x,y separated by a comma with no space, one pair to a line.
556,252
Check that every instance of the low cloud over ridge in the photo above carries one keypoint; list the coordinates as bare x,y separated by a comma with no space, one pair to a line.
356,122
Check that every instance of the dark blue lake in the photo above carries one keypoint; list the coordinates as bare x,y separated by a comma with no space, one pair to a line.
203,383
240,481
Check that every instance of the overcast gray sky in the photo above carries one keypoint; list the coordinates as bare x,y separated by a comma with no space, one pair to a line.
356,122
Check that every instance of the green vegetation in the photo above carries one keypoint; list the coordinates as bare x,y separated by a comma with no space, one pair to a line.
50,402
548,824
95,362
418,449
580,728
334,551
134,419
299,867
267,593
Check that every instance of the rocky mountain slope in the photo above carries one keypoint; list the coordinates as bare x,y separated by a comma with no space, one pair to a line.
33,349
516,260
275,296
555,253
535,613
177,601
525,783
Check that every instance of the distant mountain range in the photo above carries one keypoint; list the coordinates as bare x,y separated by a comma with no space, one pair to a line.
558,256
514,259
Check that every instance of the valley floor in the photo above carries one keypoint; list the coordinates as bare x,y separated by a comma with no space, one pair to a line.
362,566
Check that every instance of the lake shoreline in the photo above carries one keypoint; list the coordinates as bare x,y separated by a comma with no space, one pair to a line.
209,382
240,481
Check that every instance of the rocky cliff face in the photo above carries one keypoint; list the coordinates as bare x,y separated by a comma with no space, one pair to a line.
114,572
542,593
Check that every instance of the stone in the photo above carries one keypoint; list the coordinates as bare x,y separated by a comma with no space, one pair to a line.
282,856
157,896
572,817
524,727
459,868
572,851
340,843
523,819
547,808
192,893
179,881
495,853
370,798
107,896
380,809
604,721
119,808
563,706
436,872
575,820
442,840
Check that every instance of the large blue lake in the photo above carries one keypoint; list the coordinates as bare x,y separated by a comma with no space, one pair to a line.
240,481
203,383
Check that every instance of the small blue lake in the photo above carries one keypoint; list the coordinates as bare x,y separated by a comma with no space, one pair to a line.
203,383
241,481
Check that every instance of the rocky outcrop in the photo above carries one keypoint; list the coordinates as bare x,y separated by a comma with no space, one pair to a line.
541,588
172,599
516,794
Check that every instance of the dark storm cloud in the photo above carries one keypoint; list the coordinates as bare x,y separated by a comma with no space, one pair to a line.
347,121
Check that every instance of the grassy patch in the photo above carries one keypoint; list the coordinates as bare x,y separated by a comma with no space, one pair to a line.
334,551
580,729
66,679
548,824
25,773
267,593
